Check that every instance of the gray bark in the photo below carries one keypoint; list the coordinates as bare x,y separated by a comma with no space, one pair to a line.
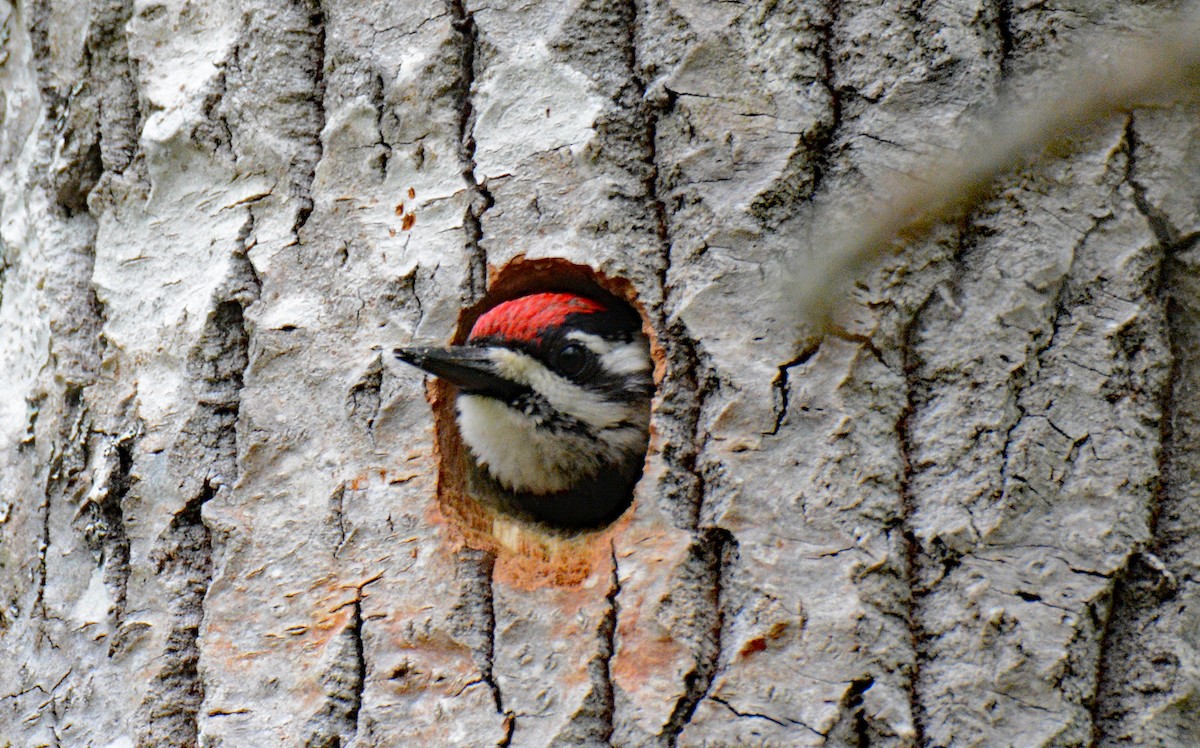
966,517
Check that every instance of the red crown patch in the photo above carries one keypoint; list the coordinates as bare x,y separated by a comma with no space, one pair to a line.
525,318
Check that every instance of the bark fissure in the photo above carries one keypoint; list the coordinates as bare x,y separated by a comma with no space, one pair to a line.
38,28
184,555
359,679
68,462
680,407
812,158
273,85
214,133
68,165
39,600
105,531
912,546
822,139
1169,237
344,680
72,171
85,134
313,52
781,386
704,588
116,567
1031,371
682,396
593,722
1129,679
781,721
337,519
608,642
488,600
363,400
649,114
1004,34
76,352
172,706
118,108
479,198
98,123
924,559
853,727
474,623
379,105
75,349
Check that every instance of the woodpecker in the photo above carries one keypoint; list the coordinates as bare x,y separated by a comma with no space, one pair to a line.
553,403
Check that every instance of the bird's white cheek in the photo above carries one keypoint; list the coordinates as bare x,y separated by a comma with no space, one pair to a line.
514,450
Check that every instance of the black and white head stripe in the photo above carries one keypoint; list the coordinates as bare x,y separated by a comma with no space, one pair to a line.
589,382
553,401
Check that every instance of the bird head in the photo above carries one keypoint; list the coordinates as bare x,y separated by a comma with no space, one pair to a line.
553,402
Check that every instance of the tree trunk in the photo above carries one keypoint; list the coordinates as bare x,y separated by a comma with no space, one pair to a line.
966,517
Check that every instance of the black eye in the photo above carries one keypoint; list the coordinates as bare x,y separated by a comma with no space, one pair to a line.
572,359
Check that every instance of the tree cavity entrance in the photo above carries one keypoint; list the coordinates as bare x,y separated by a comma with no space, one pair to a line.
530,551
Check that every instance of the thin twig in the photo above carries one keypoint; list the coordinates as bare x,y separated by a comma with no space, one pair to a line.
1131,73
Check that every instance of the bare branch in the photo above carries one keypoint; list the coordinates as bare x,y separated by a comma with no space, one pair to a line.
1112,76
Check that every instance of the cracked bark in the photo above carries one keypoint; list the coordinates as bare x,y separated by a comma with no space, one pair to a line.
171,707
811,162
592,723
780,389
1031,443
703,587
479,198
69,156
1141,665
912,546
277,76
853,728
105,530
362,402
869,539
1003,12
184,556
703,574
336,724
120,116
337,516
475,616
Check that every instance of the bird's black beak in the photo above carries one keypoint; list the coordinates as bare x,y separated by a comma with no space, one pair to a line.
470,369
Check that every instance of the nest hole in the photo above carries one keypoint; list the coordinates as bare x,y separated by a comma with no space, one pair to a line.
529,551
